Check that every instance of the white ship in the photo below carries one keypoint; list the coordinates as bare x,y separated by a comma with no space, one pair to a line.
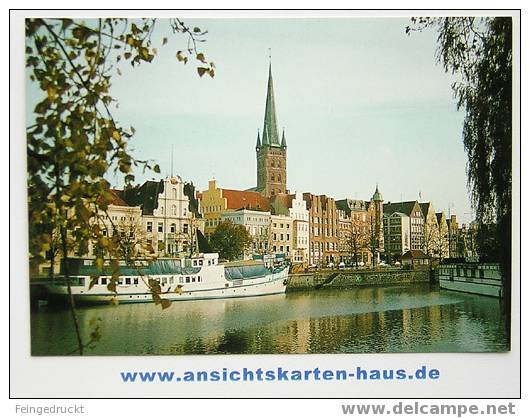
200,277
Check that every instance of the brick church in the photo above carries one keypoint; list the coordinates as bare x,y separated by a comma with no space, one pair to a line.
271,152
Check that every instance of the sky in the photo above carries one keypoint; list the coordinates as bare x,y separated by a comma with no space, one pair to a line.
361,102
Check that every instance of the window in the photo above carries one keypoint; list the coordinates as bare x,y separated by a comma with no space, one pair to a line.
160,227
181,279
185,228
103,280
127,280
187,279
174,210
149,226
193,279
135,280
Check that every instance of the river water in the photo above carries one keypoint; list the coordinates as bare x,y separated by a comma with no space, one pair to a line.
362,320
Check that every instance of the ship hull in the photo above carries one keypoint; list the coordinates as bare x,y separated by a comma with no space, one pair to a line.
275,283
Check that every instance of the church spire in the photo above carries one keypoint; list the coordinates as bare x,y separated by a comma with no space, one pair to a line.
258,141
284,142
270,125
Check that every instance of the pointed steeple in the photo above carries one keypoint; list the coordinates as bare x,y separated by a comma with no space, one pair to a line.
284,142
270,125
258,141
265,139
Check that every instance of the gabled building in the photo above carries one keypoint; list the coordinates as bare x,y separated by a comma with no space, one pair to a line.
397,235
323,234
294,207
416,220
431,229
168,224
214,201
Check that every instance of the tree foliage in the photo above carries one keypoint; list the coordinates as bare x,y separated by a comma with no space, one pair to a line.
479,52
74,141
230,240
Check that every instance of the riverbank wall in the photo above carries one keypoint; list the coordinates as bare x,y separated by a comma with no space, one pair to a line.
347,279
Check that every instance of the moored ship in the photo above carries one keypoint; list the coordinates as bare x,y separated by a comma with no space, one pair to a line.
198,277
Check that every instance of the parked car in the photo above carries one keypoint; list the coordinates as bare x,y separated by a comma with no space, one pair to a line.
331,265
342,266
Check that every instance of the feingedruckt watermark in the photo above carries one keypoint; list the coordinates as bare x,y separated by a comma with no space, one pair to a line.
50,409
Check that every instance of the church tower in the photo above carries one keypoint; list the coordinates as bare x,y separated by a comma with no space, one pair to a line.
271,154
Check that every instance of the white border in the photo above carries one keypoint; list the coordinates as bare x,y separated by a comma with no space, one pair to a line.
463,375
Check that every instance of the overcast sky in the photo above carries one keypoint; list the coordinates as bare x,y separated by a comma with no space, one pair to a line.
361,102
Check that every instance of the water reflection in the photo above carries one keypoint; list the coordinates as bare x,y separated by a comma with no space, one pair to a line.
379,319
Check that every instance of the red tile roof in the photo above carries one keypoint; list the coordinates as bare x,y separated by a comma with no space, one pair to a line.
237,199
117,198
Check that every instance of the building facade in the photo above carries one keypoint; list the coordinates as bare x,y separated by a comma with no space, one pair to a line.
416,220
397,235
214,201
257,224
323,234
168,224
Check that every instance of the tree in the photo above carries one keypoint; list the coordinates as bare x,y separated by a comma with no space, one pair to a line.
355,240
230,240
479,52
74,140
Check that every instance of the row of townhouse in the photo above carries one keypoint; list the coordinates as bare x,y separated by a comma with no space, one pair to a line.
416,226
166,216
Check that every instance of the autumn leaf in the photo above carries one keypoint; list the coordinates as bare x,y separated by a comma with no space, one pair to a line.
166,303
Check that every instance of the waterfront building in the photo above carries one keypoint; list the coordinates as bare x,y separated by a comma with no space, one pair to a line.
215,200
281,235
271,153
442,244
363,232
416,220
354,243
415,259
257,224
431,229
168,224
295,207
452,227
397,235
323,238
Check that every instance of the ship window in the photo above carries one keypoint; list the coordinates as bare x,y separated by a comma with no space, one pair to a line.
194,262
135,280
199,278
120,281
171,280
181,280
193,279
128,280
187,279
226,284
164,280
104,280
200,262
